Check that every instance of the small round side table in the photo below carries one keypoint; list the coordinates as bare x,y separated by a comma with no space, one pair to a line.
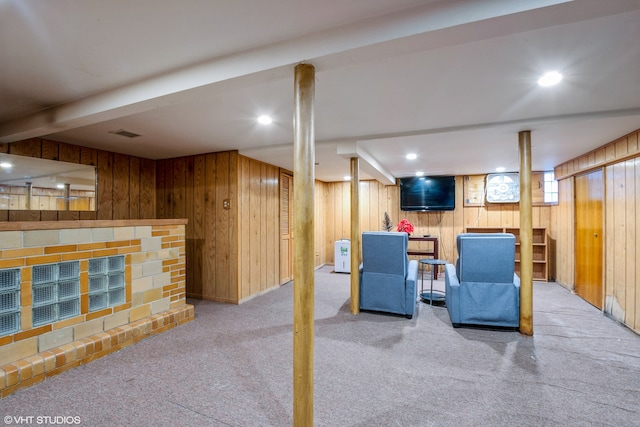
431,296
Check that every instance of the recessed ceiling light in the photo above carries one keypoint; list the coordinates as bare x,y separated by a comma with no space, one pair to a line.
500,169
412,156
419,173
549,79
265,120
61,186
5,165
347,178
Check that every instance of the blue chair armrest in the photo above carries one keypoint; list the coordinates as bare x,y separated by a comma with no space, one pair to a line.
452,292
412,273
411,284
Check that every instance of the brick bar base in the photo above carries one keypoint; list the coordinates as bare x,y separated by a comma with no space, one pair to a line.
31,370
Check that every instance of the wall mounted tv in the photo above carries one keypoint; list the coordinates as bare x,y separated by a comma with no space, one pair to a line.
428,193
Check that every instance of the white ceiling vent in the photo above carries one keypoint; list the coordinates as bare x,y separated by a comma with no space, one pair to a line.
124,133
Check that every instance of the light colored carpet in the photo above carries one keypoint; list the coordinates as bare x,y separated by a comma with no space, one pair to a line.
231,366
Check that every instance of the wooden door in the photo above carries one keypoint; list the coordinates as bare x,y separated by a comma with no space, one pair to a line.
589,200
286,227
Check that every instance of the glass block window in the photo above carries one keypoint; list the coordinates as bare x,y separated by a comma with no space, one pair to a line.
550,188
106,282
55,292
9,301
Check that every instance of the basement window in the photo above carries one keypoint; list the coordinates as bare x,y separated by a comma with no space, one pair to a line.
550,188
55,292
9,301
106,282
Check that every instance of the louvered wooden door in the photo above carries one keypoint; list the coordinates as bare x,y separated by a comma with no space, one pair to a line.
286,227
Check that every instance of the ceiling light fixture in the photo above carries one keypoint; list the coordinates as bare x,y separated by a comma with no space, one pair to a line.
550,78
500,169
5,165
420,173
412,156
265,120
347,178
60,186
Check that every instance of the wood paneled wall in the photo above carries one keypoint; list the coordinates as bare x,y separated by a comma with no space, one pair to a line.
259,219
126,184
622,242
196,188
232,204
623,148
376,199
233,254
320,225
620,160
565,232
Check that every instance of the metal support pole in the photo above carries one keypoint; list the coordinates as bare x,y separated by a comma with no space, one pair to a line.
303,245
526,235
29,195
67,196
355,235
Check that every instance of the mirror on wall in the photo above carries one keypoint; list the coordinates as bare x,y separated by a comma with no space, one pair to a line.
29,183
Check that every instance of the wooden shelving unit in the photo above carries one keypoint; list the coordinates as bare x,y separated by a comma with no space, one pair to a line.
421,251
540,248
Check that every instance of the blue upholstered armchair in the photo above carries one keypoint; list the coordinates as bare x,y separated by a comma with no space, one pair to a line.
387,277
482,288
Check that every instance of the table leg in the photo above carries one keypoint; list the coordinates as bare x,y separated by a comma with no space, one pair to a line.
432,270
421,279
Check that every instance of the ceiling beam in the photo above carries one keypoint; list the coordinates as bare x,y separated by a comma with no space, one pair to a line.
368,164
176,86
518,124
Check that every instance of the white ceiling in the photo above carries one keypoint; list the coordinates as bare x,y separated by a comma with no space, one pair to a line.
451,80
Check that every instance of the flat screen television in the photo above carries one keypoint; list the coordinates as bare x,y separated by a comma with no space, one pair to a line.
428,193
